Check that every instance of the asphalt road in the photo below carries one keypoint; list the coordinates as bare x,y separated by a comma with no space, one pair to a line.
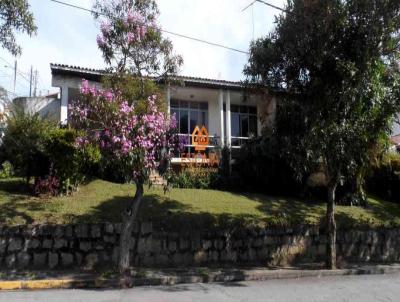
349,288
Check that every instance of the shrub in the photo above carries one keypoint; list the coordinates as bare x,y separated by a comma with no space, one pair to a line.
49,186
260,167
69,163
384,180
194,177
23,144
6,170
38,148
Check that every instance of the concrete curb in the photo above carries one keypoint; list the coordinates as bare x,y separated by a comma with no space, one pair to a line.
229,275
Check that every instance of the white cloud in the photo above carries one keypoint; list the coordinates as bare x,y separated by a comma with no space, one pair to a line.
67,36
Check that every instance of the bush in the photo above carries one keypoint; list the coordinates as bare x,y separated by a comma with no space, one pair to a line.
23,144
6,170
50,186
38,148
260,167
384,180
68,163
194,177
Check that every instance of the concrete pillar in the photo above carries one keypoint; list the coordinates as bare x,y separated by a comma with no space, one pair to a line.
228,118
221,110
64,105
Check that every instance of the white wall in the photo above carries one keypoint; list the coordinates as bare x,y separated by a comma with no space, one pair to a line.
46,107
214,118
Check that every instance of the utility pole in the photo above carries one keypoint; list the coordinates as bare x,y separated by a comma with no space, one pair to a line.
36,81
15,74
30,82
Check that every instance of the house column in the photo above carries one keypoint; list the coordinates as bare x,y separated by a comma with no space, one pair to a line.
64,105
228,118
221,110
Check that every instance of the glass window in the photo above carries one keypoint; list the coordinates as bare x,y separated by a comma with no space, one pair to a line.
244,125
174,104
234,108
203,106
253,125
187,118
194,105
183,104
235,124
194,120
244,109
183,121
203,118
243,121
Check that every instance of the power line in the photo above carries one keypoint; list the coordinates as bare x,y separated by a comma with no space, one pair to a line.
24,76
162,30
18,71
274,6
249,5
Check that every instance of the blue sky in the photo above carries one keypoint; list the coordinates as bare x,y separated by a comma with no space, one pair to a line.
68,36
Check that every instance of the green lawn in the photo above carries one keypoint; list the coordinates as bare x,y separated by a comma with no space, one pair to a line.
103,201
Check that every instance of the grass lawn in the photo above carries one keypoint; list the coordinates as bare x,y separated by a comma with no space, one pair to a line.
100,201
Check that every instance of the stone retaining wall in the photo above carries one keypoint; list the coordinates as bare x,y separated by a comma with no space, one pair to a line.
88,246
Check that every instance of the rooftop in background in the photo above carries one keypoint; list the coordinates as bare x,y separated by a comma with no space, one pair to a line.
395,139
96,74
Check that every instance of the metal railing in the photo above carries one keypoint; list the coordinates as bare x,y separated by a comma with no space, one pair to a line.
236,141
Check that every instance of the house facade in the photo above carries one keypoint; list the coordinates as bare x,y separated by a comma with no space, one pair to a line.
229,112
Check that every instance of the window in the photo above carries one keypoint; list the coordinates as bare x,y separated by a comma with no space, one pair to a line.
243,123
189,115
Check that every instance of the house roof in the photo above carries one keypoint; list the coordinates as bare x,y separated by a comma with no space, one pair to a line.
96,75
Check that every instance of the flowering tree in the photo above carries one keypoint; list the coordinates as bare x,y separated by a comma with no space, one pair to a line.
136,138
131,40
126,117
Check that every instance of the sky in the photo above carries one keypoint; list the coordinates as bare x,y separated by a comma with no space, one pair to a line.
68,36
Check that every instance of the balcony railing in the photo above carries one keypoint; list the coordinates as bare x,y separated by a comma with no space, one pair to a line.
214,141
238,141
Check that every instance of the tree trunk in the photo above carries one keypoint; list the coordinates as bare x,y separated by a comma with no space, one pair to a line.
128,220
330,217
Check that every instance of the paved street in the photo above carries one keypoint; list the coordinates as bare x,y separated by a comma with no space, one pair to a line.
352,288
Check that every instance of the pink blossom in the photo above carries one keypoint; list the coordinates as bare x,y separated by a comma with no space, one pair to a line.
131,37
105,27
100,41
85,86
136,138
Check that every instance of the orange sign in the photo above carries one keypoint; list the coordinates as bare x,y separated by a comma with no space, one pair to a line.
200,138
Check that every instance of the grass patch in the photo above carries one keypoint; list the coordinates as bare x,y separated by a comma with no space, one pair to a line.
100,201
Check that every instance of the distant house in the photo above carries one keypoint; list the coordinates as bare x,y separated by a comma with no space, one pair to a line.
229,112
395,140
46,106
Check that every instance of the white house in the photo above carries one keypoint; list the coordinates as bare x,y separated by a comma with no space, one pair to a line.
230,113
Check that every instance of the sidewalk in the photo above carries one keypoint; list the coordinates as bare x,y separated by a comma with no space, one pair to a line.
145,277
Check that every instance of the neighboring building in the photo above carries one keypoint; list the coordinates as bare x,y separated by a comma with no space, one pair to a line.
230,113
45,106
395,140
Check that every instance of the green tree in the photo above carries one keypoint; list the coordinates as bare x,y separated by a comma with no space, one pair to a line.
337,61
15,16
